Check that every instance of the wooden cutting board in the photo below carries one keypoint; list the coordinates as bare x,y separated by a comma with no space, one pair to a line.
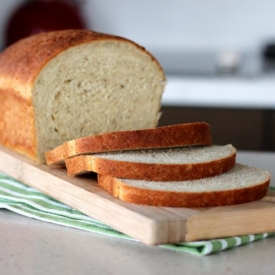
149,224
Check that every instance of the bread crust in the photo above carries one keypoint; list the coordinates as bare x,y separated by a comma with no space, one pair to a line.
22,61
131,194
20,65
16,112
197,133
149,171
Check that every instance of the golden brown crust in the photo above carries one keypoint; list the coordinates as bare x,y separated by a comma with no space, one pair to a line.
16,123
81,165
56,156
136,195
197,133
146,171
22,61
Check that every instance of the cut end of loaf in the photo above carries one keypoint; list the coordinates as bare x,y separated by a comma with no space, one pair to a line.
96,88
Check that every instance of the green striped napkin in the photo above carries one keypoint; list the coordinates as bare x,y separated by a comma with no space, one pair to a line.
29,202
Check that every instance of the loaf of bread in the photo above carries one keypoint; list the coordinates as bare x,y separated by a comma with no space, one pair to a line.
197,133
63,85
173,164
241,184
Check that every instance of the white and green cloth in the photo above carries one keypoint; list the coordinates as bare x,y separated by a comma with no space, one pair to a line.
27,201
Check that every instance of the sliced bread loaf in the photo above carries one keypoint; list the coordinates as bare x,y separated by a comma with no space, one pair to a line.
62,85
187,134
241,184
173,164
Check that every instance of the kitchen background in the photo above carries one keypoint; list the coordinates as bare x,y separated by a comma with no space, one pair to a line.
218,55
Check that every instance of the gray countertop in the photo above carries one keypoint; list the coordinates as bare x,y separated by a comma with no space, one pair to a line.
30,247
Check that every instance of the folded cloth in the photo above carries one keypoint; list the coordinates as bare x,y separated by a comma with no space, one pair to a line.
30,202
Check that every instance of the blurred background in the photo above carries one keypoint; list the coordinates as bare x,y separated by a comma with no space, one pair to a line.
218,55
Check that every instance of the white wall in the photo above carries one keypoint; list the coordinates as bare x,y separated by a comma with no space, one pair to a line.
178,25
185,23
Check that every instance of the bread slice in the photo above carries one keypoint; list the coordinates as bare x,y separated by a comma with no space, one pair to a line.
241,184
174,164
197,133
61,85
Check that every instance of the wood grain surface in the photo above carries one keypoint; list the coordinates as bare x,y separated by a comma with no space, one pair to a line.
151,225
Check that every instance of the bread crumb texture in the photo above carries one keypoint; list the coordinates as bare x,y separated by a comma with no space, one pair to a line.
95,88
240,176
188,155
